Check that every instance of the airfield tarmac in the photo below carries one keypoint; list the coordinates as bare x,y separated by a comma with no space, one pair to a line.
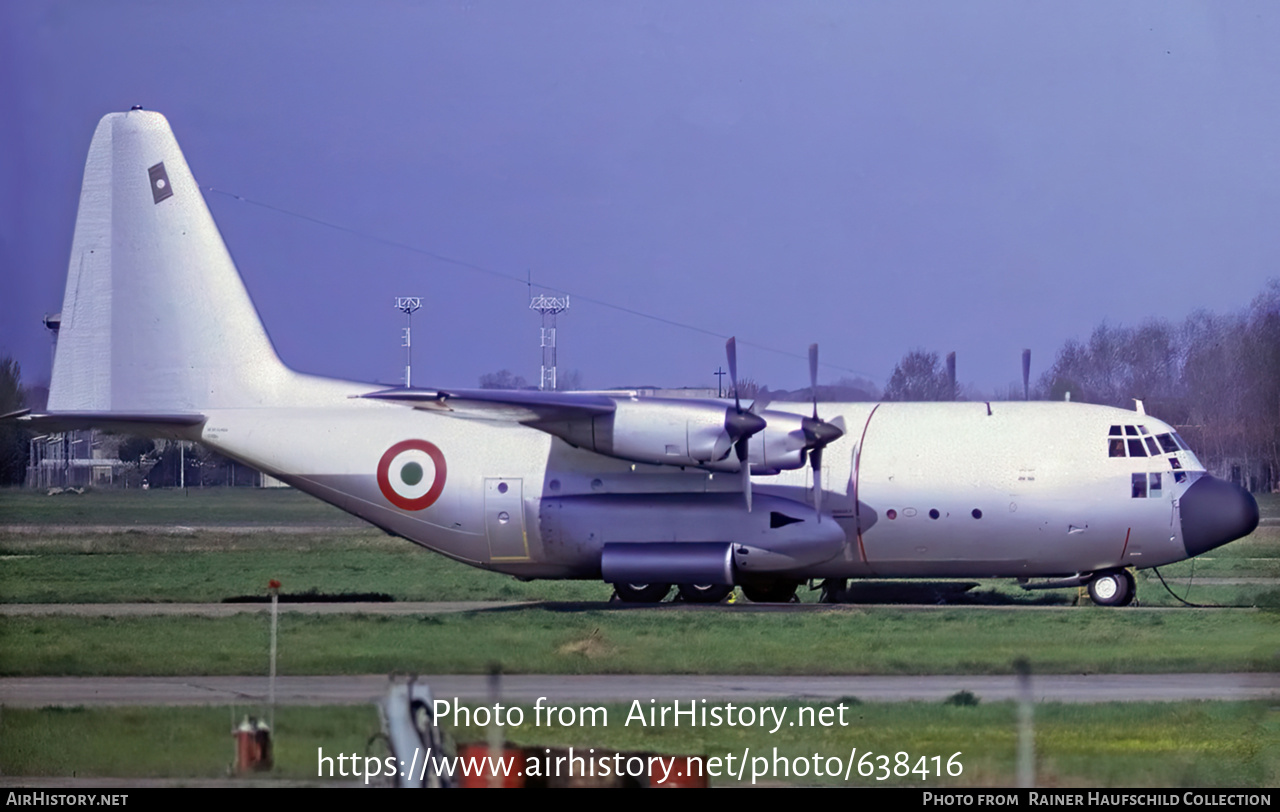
577,689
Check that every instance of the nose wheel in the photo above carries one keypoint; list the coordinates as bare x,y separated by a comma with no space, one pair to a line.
1112,588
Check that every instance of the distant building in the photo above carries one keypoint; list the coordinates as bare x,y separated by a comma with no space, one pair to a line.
71,459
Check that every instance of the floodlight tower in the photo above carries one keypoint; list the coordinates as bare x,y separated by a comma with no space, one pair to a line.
407,305
549,307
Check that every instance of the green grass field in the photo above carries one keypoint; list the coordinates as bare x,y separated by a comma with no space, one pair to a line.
1133,744
839,640
330,558
233,506
207,566
1191,744
324,551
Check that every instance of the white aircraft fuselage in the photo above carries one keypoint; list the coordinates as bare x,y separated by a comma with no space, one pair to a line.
923,489
159,336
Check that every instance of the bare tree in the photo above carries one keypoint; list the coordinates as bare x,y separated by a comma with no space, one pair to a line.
918,376
747,389
568,381
502,379
13,440
1215,377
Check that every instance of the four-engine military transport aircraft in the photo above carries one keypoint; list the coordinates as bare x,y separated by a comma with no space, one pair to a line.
159,337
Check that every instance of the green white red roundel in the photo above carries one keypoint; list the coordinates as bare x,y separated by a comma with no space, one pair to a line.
411,474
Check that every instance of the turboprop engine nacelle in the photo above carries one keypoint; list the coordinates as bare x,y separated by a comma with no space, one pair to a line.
780,446
701,435
662,432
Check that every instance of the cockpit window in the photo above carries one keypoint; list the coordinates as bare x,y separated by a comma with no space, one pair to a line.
1139,486
1191,455
1151,484
1137,441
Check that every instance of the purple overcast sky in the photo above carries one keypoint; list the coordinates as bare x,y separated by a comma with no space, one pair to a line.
978,177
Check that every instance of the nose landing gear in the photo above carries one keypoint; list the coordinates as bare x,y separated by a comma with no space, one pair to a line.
1112,588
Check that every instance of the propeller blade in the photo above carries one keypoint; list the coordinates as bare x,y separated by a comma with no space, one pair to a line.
813,377
815,459
739,423
731,350
724,445
762,400
1026,374
951,376
818,432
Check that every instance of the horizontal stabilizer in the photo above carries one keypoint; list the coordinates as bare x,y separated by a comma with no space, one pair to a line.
144,423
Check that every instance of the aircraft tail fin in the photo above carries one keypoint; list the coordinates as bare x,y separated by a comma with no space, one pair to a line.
155,317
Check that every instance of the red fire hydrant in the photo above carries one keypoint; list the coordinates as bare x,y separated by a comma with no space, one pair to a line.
253,746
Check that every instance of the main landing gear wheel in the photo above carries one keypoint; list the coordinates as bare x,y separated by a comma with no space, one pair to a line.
1112,588
704,593
641,593
776,592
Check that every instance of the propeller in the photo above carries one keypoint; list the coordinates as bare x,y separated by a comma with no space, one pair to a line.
818,433
951,376
740,424
1026,374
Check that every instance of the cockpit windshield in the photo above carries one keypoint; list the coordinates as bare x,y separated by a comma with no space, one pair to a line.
1137,441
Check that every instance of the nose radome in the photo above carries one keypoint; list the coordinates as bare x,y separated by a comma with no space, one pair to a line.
1215,512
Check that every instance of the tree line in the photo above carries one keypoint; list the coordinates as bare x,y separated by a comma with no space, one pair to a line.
1216,378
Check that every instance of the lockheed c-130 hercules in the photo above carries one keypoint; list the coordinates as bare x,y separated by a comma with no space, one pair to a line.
158,336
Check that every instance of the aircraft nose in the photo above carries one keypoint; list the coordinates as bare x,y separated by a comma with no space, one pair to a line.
1214,512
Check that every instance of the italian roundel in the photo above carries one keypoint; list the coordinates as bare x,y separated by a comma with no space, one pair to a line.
411,474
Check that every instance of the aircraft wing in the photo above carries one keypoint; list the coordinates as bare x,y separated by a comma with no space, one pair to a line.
514,405
712,434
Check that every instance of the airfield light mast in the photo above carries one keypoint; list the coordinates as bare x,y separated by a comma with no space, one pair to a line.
549,307
407,305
